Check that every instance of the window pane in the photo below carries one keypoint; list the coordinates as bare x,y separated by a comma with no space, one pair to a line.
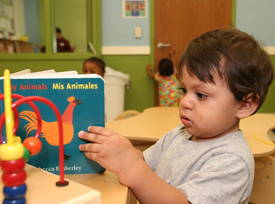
71,18
20,26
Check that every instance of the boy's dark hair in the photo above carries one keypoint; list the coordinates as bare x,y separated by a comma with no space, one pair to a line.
99,62
236,57
166,67
58,30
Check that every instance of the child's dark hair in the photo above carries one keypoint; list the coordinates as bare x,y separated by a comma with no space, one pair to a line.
166,67
99,62
236,57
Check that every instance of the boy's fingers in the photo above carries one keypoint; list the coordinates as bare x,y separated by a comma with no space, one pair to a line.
91,155
92,148
100,130
91,137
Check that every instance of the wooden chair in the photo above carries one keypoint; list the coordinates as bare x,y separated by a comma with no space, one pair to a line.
126,114
264,181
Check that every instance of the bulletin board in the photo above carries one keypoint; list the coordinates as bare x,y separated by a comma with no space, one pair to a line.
6,16
134,9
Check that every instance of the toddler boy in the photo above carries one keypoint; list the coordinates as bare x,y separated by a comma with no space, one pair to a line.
224,77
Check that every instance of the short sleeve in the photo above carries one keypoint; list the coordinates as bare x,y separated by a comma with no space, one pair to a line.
157,76
222,179
152,154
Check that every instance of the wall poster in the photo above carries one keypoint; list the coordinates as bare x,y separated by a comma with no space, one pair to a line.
134,8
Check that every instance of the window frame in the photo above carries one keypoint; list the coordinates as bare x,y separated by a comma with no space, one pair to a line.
93,34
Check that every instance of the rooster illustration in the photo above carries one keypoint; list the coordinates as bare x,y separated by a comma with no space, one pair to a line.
50,129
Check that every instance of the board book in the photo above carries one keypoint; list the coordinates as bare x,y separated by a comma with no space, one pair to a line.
80,100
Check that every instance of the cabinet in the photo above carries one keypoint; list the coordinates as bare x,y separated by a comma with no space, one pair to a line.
15,46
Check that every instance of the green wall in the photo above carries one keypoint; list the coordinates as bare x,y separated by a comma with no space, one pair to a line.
269,105
141,94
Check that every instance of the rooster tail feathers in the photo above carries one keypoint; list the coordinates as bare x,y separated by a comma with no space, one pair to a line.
29,128
31,118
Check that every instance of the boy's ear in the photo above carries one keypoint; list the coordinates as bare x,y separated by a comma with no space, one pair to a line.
248,106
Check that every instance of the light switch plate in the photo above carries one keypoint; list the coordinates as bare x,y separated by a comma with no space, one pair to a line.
137,32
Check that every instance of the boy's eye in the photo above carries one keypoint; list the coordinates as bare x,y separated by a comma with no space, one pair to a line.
201,95
183,90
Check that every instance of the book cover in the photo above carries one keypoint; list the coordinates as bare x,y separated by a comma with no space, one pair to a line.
80,100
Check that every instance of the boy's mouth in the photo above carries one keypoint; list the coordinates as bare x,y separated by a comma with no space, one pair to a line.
186,121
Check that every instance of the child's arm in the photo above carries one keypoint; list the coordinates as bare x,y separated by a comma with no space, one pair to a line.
173,59
116,153
149,69
172,55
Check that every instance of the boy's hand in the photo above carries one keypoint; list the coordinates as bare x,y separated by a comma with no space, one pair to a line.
117,154
110,149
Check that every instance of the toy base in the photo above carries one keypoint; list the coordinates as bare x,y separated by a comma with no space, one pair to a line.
59,184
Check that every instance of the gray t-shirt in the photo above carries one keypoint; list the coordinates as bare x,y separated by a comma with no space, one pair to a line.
217,171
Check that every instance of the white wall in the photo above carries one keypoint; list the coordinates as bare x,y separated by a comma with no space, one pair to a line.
118,33
257,18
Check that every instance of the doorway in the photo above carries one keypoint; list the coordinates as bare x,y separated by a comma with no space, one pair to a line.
179,21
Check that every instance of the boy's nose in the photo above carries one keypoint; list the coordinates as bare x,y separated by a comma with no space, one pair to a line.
187,102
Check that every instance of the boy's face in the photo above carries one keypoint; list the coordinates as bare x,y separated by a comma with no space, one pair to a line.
92,68
207,110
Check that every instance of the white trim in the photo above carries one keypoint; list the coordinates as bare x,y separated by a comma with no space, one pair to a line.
270,50
145,50
126,50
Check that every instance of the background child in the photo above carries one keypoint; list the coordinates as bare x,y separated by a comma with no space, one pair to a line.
224,76
169,94
94,65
